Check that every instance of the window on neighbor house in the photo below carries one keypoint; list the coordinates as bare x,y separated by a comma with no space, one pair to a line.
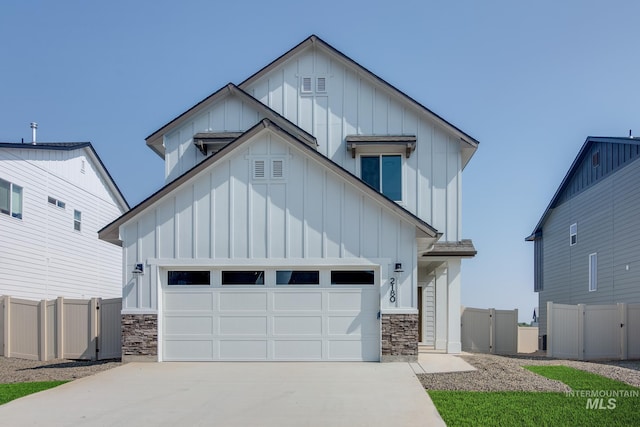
10,199
573,234
77,220
593,272
55,202
384,173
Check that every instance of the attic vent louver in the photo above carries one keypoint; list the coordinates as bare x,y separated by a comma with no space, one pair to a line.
321,84
258,169
306,84
277,169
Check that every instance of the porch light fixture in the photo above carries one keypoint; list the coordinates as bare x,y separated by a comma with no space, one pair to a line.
139,269
398,268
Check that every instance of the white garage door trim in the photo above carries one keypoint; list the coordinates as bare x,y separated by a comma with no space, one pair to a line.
271,322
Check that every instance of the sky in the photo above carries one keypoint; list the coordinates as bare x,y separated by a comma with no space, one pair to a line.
529,80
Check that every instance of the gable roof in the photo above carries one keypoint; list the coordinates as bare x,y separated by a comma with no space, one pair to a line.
155,142
71,146
110,233
314,41
573,169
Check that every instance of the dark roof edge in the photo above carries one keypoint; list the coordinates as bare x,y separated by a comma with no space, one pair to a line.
313,39
537,231
70,146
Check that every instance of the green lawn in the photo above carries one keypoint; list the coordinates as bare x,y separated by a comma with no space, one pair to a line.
9,392
471,408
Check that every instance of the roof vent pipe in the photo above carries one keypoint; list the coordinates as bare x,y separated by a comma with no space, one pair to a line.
34,127
630,135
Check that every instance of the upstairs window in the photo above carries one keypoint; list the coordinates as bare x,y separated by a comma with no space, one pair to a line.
77,220
593,272
573,234
384,173
10,199
55,202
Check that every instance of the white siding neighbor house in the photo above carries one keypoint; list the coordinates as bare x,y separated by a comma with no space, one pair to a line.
586,245
312,212
54,197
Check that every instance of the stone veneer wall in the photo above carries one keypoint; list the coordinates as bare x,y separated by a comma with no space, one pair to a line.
399,337
139,337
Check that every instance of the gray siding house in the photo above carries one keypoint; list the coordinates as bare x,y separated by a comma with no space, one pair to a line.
587,243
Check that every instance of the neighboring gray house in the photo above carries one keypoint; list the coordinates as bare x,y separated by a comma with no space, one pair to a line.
587,243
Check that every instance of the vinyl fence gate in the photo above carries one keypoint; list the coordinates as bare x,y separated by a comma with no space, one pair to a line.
490,330
60,329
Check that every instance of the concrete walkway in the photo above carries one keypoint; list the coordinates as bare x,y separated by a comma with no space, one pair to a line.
233,394
438,363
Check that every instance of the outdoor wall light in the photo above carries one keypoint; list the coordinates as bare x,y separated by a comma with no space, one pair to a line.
139,269
398,268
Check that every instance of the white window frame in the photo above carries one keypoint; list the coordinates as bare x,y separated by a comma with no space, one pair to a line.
56,202
77,221
573,232
403,167
12,212
593,272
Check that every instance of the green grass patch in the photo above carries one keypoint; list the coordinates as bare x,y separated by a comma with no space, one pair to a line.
9,392
474,408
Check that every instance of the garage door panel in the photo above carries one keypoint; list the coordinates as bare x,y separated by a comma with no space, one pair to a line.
297,349
297,301
242,325
196,301
352,300
188,325
243,349
181,349
366,350
297,325
243,301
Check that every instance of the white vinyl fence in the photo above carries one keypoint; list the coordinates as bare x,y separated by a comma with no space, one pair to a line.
490,330
60,329
592,332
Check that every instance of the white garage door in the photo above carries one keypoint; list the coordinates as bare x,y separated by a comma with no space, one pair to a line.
333,316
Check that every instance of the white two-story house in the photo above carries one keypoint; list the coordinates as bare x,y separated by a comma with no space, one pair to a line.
311,212
54,197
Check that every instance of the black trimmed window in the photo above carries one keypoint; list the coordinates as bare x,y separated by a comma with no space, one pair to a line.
182,278
243,277
573,234
384,173
297,277
352,277
10,199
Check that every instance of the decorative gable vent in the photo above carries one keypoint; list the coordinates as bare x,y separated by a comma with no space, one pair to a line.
277,168
321,84
259,169
306,85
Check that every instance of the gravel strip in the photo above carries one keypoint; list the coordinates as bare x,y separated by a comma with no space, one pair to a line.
501,373
13,370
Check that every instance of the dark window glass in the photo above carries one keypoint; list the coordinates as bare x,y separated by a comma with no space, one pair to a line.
288,277
392,177
189,278
243,277
370,168
356,277
4,196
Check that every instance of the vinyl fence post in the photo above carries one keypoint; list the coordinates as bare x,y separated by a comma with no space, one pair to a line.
59,328
7,326
93,327
550,329
42,330
492,330
515,331
581,331
622,309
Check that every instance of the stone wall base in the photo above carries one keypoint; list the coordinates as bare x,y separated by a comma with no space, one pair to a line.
399,338
139,336
131,358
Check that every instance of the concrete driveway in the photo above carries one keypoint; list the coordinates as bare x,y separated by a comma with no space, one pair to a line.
233,394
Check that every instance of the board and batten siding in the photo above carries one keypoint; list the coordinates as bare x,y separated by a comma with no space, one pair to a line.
354,104
228,115
42,255
608,224
222,216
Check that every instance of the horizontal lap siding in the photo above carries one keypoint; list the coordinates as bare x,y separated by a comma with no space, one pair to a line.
609,225
43,256
353,104
312,214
